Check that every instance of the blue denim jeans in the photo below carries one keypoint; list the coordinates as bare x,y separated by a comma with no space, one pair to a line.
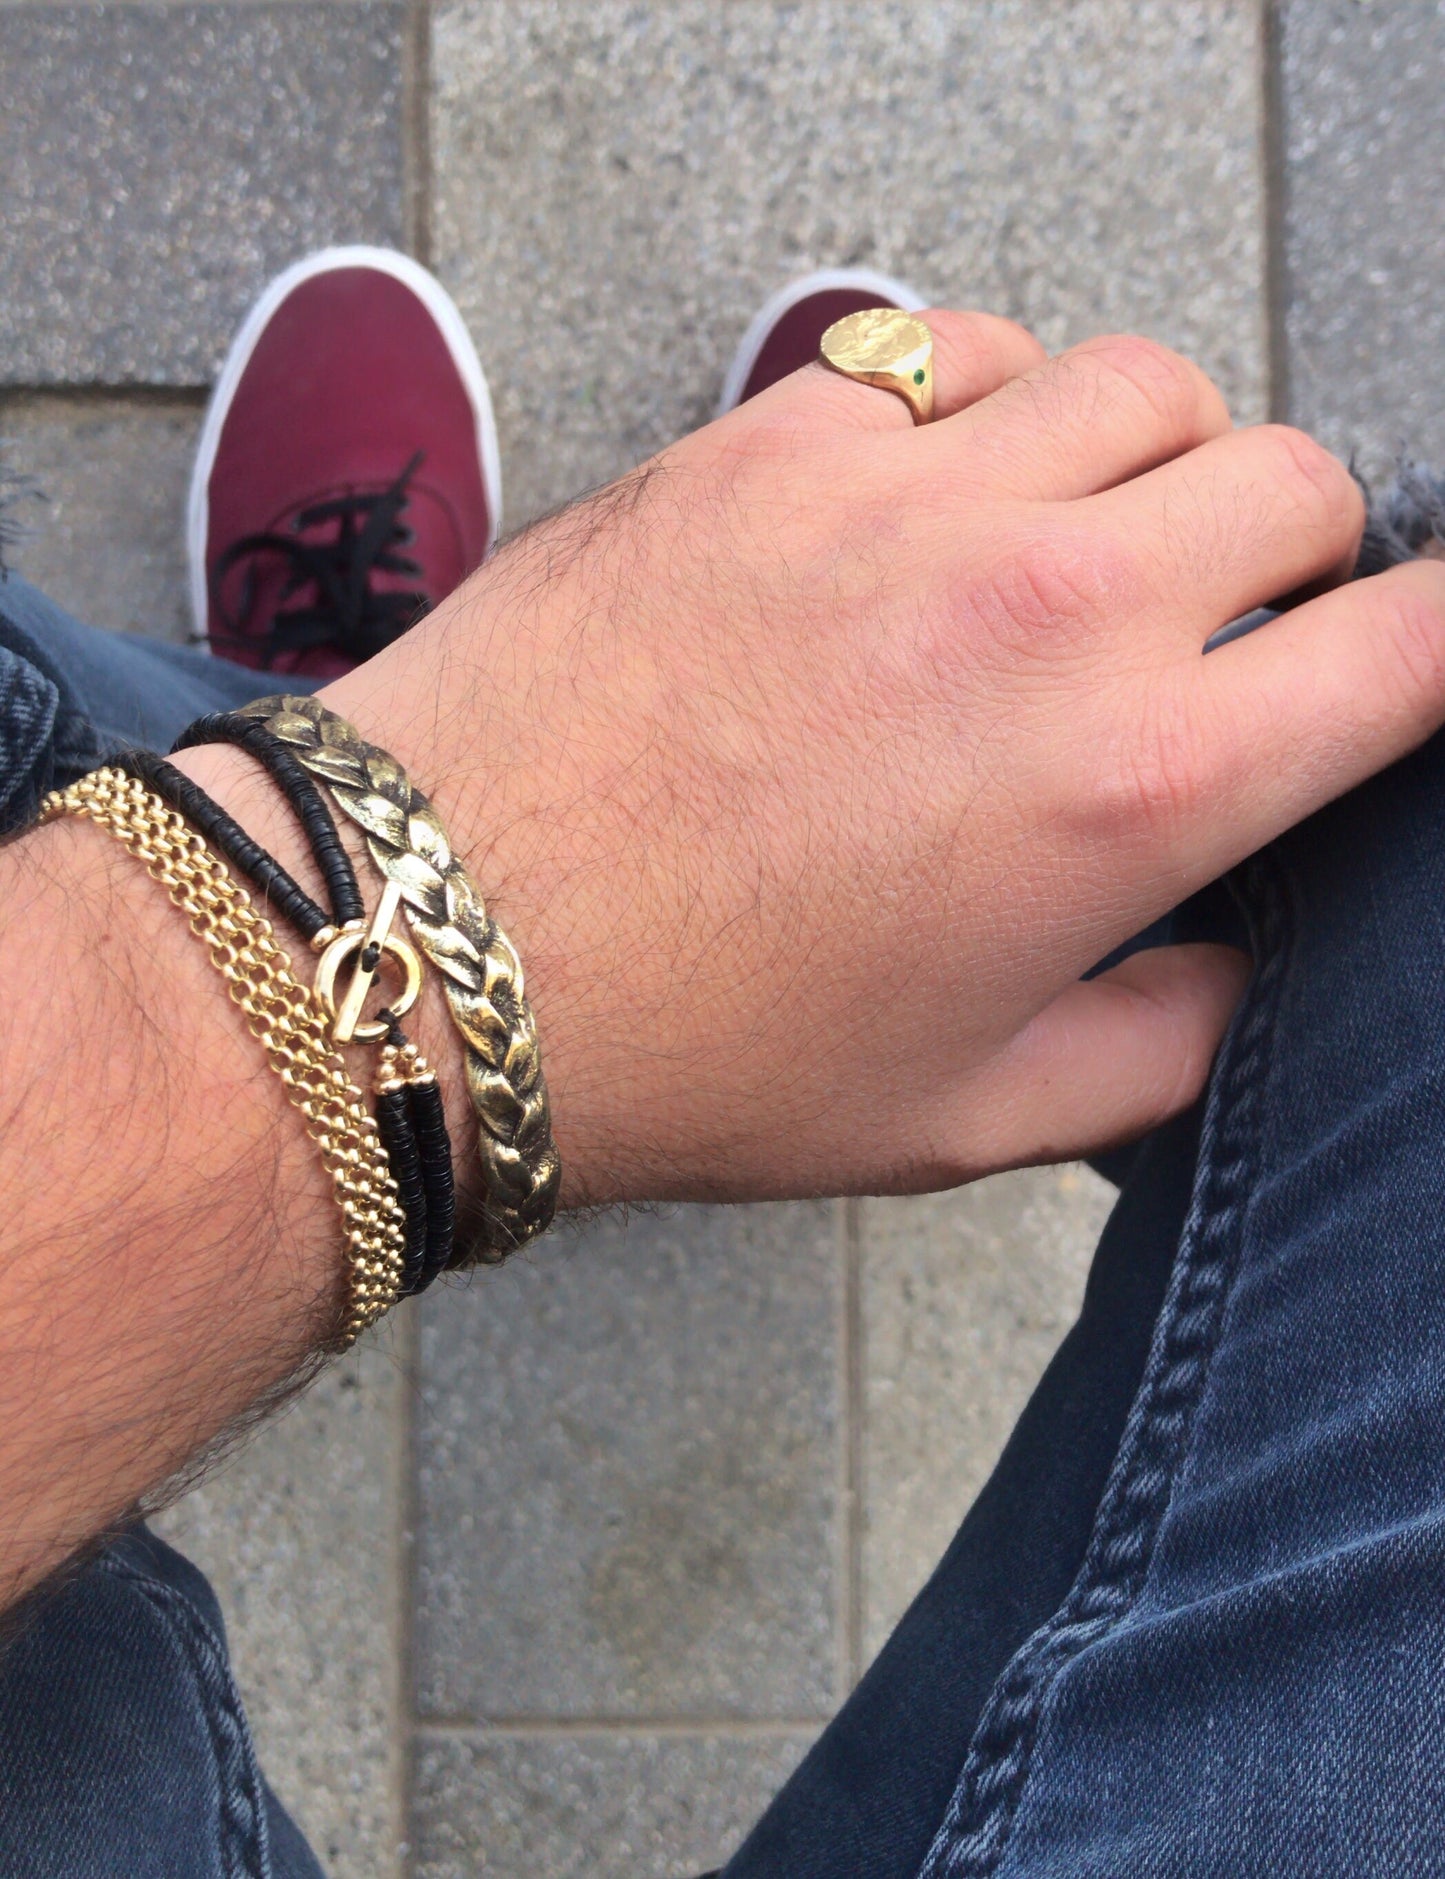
1195,1623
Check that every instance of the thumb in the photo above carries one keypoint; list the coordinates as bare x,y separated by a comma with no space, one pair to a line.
1112,1057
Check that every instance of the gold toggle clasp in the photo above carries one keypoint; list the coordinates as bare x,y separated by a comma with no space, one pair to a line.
377,940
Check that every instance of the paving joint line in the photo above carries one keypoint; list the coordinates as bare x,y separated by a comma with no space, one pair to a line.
540,1728
1274,132
851,1576
97,393
416,151
407,1513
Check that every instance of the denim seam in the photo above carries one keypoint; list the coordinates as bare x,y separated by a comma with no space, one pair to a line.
245,1841
978,1826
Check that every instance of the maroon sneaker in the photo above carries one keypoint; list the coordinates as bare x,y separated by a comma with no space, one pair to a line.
347,476
785,333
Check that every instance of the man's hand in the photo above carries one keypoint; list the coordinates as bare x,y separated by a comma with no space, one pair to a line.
808,767
812,764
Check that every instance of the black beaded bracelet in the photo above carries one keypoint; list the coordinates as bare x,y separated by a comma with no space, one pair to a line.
409,1113
409,1103
312,812
222,831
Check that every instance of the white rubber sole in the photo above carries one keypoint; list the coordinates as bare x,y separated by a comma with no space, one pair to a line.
864,280
443,309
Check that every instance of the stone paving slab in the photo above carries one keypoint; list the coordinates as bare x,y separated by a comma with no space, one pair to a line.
624,1806
629,1467
161,163
617,188
103,529
1364,224
302,1535
964,1299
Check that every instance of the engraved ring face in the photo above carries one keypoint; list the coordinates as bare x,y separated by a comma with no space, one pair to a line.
886,347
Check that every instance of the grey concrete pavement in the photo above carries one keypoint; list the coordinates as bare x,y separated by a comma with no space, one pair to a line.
1363,225
99,524
595,1805
964,1298
161,163
629,1471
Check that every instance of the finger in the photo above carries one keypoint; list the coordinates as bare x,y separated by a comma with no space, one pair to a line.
1098,414
973,355
1297,713
1112,1057
1238,522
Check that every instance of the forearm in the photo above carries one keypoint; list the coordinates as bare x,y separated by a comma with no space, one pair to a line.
171,1244
175,1247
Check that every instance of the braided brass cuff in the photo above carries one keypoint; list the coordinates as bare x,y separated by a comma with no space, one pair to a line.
479,967
287,1017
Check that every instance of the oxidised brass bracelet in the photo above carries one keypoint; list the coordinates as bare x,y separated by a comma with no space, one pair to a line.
479,967
287,1018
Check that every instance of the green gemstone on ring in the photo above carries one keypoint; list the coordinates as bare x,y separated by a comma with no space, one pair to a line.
919,376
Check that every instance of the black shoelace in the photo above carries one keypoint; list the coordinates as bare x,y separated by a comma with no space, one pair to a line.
341,609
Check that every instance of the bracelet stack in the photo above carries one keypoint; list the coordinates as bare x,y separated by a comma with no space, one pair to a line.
408,1107
283,1014
481,973
391,1169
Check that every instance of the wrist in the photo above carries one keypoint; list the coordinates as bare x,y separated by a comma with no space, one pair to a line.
239,785
518,812
590,835
411,864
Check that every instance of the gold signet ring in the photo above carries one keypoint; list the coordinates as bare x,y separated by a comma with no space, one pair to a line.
885,347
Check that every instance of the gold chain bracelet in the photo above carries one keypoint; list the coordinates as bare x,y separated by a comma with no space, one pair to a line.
286,1017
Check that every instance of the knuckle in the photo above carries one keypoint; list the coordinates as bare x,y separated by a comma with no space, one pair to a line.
785,424
1162,776
1163,380
790,419
1011,344
1312,476
978,352
1409,616
1066,585
764,433
1150,785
